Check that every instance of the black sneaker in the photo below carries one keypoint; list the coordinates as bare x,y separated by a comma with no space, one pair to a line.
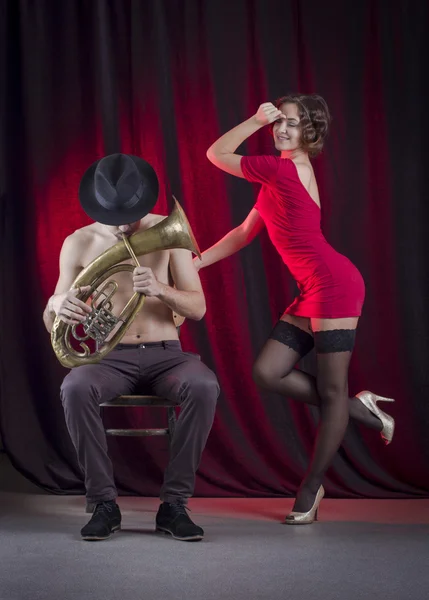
105,520
173,519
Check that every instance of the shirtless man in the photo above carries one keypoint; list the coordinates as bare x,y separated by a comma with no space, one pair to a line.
118,192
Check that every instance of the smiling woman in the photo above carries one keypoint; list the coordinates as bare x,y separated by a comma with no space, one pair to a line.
325,314
312,129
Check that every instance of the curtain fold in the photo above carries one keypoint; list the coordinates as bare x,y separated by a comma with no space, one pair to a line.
163,80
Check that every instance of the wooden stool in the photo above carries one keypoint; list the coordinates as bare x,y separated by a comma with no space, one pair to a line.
139,401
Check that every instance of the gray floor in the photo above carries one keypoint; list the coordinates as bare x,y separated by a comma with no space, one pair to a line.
359,549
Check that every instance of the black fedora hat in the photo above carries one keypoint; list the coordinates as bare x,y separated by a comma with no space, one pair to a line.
118,189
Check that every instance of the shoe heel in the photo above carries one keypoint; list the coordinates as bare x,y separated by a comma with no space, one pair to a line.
370,400
160,530
381,399
300,518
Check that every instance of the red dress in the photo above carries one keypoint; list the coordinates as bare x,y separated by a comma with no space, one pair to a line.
330,285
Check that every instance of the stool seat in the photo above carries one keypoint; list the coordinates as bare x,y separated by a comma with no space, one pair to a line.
137,432
138,400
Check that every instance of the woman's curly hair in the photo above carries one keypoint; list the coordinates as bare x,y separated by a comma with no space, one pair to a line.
314,120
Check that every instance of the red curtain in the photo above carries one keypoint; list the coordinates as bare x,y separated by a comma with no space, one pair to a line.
163,81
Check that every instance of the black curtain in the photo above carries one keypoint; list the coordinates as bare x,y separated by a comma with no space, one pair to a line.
163,79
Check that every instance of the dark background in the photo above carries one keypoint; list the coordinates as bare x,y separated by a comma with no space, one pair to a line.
163,79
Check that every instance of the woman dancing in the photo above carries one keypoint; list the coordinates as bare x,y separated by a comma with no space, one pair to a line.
326,312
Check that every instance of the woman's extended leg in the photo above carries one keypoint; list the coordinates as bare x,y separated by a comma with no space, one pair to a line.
290,340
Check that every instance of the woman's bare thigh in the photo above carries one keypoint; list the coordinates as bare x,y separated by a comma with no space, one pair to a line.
330,324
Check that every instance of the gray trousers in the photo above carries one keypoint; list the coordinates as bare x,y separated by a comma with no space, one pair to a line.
163,369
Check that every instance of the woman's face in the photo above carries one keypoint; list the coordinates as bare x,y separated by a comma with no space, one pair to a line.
287,131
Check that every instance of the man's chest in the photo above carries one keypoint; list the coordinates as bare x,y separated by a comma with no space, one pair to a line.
158,262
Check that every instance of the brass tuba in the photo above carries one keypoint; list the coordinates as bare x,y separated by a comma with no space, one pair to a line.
172,232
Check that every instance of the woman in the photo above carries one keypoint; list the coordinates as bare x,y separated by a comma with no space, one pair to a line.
326,312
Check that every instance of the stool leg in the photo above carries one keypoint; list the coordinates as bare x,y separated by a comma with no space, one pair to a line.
171,421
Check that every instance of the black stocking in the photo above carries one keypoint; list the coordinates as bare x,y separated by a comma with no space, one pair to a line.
332,376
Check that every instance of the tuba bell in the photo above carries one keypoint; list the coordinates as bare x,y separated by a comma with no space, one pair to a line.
172,232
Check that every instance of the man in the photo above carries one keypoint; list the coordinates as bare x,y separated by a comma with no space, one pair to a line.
118,192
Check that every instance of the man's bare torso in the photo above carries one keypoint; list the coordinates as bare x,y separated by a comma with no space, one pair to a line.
155,320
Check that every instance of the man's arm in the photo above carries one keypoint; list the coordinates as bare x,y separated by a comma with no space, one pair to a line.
187,298
64,303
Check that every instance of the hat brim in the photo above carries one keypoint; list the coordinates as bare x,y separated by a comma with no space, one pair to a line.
145,204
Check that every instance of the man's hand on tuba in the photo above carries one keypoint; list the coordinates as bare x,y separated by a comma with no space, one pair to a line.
146,283
70,309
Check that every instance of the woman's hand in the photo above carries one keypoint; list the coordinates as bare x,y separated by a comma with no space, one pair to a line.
198,263
267,113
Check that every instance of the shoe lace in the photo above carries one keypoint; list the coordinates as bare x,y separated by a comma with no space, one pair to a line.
180,509
103,508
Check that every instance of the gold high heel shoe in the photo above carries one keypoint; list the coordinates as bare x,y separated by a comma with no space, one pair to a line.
300,518
370,400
